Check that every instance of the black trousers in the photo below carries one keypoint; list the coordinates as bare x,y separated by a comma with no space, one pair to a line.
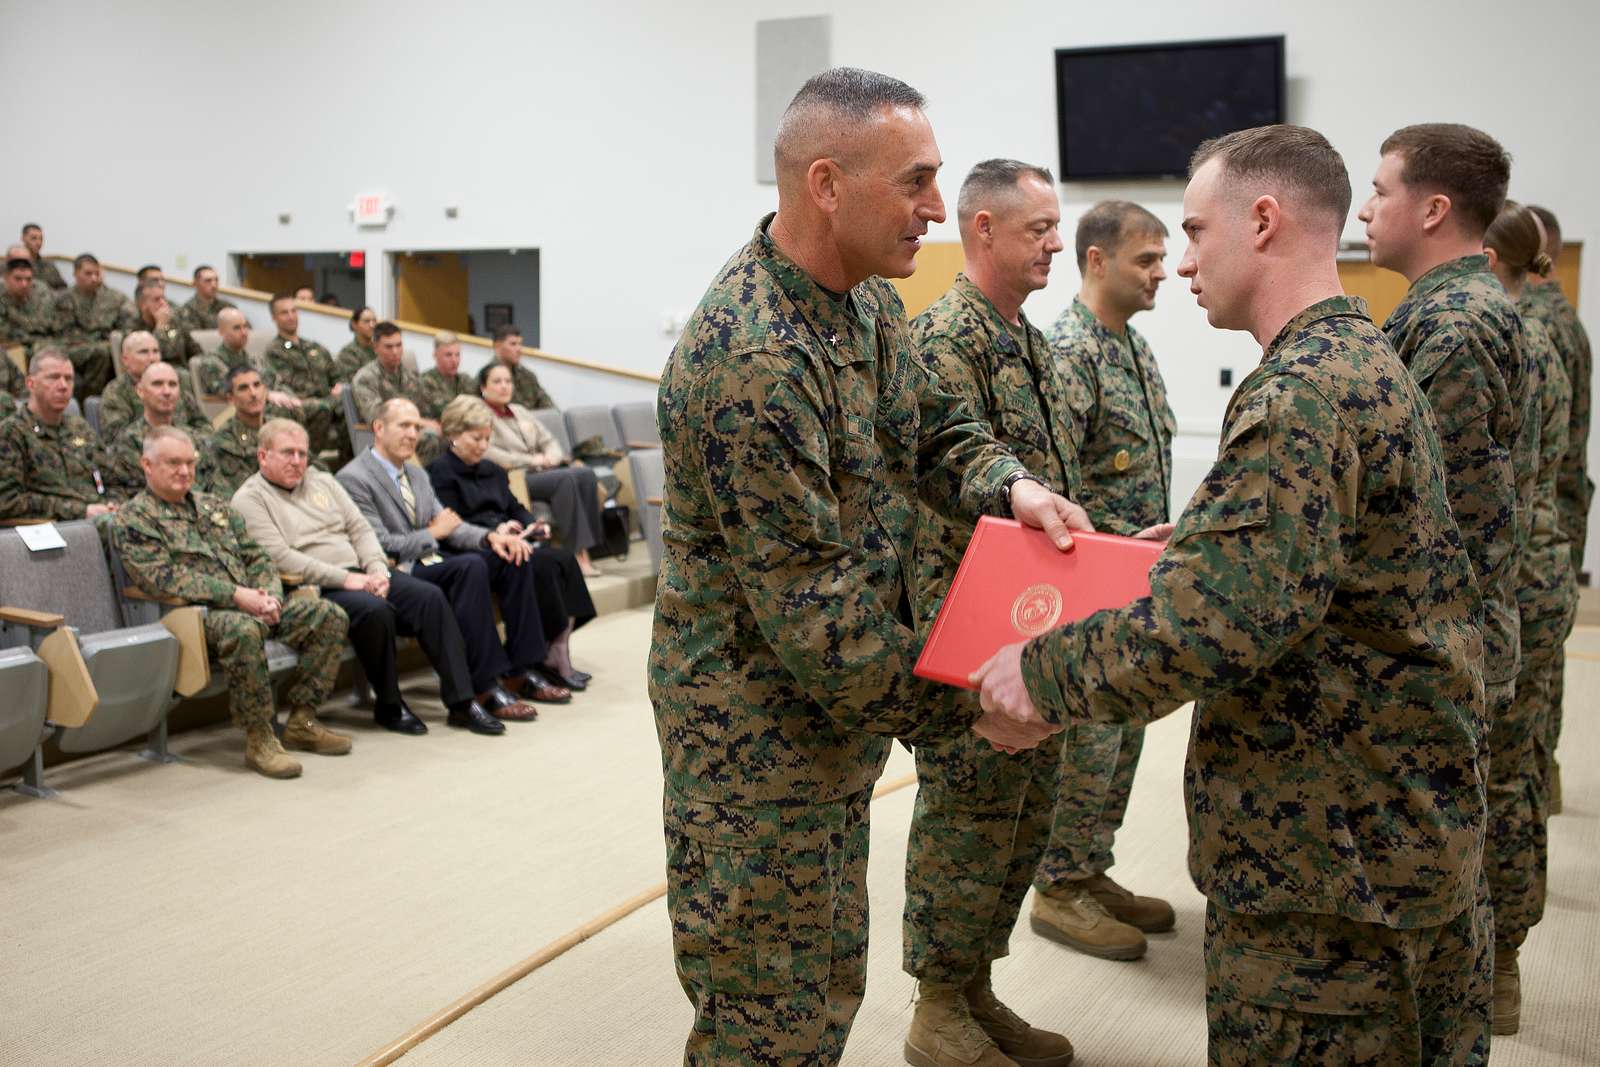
413,608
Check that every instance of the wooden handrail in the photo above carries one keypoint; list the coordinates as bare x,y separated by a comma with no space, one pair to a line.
414,327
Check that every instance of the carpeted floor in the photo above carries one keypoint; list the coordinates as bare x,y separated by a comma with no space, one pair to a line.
200,915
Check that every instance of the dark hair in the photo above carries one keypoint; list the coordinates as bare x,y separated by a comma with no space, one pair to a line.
1552,225
203,267
279,296
505,330
235,373
26,226
1517,240
1106,224
995,177
1292,157
485,370
845,96
147,269
86,257
384,329
356,314
1463,163
18,263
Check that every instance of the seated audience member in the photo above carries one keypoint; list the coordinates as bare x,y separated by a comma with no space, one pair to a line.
180,542
526,389
233,445
200,311
120,403
310,528
478,492
178,347
358,353
27,314
386,378
445,381
43,270
49,460
158,403
519,440
86,315
304,368
471,564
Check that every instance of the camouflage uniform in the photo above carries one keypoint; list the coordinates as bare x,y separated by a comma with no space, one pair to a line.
1317,601
85,325
46,273
1459,334
435,391
30,322
120,405
1122,429
373,385
215,365
982,817
193,315
198,551
178,346
797,432
49,472
305,369
124,477
529,393
351,358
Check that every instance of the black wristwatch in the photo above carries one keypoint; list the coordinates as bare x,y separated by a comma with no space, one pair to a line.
1005,489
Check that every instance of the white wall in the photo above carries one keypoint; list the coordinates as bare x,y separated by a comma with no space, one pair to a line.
615,138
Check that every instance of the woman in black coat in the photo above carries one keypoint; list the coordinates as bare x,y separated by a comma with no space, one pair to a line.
480,493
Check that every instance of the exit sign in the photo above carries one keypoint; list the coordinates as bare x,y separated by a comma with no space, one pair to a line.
372,209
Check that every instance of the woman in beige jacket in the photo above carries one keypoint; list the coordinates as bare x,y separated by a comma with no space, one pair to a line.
519,440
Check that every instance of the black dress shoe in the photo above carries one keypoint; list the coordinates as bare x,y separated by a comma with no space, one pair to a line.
401,720
471,716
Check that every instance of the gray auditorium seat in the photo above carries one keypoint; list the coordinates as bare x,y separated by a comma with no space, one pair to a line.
361,435
551,417
594,420
133,667
636,423
26,685
649,478
91,413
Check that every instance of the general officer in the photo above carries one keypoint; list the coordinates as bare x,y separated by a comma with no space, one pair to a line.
982,816
798,427
1317,600
176,542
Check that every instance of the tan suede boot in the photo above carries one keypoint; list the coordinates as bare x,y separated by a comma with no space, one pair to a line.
944,1033
1506,1015
1150,914
264,755
1027,1045
1079,921
304,732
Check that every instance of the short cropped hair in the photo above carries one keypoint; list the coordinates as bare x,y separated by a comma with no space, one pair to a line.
993,178
1108,223
384,329
504,330
443,339
841,97
83,258
49,354
464,413
1291,157
273,429
155,435
1463,163
235,373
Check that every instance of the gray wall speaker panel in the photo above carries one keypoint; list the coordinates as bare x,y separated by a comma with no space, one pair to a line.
788,51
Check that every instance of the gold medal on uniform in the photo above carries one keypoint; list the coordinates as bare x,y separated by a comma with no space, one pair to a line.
1121,460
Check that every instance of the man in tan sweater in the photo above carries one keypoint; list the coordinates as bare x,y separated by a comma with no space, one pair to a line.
315,536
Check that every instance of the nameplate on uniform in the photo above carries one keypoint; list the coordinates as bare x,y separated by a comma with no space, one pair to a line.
1015,584
41,537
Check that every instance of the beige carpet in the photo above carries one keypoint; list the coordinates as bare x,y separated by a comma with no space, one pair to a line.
199,915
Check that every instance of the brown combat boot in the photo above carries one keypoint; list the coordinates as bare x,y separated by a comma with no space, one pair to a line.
1506,1015
304,732
264,755
1026,1045
944,1033
1150,914
1076,919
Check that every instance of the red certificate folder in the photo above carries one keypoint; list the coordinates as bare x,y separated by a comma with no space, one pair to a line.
1013,584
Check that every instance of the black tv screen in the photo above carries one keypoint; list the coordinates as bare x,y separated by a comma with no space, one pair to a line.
1139,111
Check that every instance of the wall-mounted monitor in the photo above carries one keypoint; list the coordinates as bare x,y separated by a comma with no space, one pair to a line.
1139,111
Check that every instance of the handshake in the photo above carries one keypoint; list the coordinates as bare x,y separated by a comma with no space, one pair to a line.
1009,722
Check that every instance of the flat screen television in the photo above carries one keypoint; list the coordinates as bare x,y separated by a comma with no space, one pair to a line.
1139,111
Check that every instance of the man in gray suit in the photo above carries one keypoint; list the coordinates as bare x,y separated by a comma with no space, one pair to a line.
468,563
